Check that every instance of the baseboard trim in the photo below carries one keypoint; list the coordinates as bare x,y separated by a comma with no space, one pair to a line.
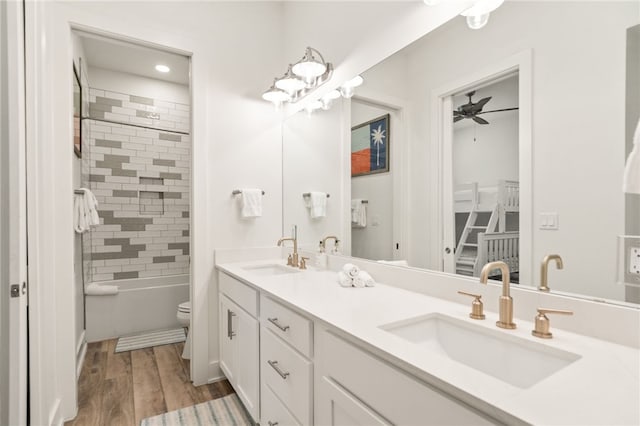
215,373
81,351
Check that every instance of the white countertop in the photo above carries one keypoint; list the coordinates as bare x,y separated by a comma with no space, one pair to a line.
602,387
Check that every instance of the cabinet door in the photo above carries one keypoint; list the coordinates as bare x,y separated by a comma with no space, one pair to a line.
336,406
247,375
228,345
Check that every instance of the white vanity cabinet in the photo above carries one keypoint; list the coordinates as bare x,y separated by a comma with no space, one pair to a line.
286,367
355,387
239,340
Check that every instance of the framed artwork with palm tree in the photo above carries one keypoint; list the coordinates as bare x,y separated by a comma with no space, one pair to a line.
370,147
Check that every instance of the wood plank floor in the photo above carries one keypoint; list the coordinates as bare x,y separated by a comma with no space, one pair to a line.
121,389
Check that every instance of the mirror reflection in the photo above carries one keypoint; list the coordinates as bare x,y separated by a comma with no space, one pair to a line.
551,169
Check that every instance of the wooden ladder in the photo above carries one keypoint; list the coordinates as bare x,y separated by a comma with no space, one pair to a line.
466,263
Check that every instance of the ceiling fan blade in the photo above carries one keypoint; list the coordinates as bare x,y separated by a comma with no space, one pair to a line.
480,104
480,120
499,110
457,113
458,118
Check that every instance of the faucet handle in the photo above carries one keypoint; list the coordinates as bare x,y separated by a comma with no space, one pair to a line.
476,306
290,261
542,322
303,262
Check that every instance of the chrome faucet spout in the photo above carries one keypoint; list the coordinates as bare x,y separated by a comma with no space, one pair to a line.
505,302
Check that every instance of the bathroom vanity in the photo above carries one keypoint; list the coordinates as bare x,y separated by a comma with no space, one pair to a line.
300,349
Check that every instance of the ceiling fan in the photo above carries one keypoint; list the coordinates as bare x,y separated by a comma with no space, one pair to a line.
472,110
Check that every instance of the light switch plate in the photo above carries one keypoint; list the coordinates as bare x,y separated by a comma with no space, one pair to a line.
549,221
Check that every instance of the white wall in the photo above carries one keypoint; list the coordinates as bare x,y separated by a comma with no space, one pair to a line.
122,82
236,142
375,241
489,152
314,162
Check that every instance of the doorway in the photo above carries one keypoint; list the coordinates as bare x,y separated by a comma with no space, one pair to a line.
486,177
473,189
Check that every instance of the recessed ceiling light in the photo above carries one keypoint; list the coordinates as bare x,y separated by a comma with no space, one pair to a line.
162,68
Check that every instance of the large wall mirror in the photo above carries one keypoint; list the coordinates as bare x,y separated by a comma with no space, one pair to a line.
514,135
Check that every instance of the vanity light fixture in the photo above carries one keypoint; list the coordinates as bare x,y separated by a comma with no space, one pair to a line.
300,79
289,82
276,95
478,14
309,67
162,68
631,182
346,89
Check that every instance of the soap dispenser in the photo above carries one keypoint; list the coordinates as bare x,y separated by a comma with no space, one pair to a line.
322,260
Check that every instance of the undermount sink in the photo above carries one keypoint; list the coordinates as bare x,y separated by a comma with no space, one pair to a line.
271,269
511,359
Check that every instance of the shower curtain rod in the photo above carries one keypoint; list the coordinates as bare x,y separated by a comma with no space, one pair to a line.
135,125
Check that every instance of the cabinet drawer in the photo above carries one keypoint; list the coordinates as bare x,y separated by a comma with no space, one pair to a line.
274,413
287,324
288,374
392,394
243,295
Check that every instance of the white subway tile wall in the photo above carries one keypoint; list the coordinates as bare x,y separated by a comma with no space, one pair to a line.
141,179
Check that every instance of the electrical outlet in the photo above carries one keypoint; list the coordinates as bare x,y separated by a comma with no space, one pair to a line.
634,260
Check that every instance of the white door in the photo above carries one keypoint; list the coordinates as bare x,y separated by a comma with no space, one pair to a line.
13,247
448,216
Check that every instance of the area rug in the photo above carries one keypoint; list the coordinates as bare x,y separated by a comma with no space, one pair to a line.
222,411
147,340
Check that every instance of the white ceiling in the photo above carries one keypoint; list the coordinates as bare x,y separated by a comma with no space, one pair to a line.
116,55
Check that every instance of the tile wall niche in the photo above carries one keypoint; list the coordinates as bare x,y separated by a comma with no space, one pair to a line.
141,179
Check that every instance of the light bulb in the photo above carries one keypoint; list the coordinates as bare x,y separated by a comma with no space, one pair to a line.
346,90
475,22
478,14
308,68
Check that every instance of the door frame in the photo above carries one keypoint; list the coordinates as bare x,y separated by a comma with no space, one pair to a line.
442,134
13,225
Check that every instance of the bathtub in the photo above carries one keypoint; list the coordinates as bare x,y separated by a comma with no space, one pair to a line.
141,304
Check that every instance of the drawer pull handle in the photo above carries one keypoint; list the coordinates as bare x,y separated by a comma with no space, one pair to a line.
274,321
274,365
230,332
272,423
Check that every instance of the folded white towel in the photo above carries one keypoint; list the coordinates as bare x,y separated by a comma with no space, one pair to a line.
251,202
358,213
317,204
91,207
359,282
85,211
350,269
344,280
365,278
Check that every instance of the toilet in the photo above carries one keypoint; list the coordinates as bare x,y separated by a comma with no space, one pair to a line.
184,318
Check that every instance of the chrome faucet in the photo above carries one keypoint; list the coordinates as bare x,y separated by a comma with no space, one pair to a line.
505,302
544,268
293,257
